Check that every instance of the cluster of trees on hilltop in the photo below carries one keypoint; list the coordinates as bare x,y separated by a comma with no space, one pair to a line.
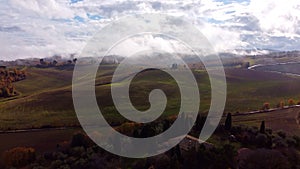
7,77
55,63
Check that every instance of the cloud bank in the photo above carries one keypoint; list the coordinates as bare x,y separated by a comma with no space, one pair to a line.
38,28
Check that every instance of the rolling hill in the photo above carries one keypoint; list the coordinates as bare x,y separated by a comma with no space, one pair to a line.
46,95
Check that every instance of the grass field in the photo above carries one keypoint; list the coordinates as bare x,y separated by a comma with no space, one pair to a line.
46,96
285,120
43,141
293,68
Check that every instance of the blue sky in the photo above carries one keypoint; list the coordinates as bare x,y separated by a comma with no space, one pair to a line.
38,28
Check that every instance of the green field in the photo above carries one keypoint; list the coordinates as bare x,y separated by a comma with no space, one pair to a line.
286,120
46,95
292,68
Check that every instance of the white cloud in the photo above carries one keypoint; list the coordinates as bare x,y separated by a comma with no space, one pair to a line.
50,8
280,17
38,28
147,42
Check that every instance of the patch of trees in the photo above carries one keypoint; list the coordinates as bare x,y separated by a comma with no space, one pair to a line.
261,147
81,152
282,104
253,147
7,77
237,63
158,126
19,157
266,106
54,63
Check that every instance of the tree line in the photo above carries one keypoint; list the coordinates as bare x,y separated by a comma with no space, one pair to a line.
7,77
54,63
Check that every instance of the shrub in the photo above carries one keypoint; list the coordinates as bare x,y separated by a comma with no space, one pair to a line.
281,105
128,128
282,134
56,164
261,140
269,131
264,158
291,102
266,106
279,142
162,162
291,142
297,139
19,157
80,140
77,151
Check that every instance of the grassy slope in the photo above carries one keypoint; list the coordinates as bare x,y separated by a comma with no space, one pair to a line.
249,89
46,95
44,100
288,68
285,120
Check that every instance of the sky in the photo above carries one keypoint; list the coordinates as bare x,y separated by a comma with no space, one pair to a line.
41,28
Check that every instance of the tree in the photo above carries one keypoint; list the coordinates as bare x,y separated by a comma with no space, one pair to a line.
265,158
246,65
291,102
178,152
166,125
266,106
19,157
54,62
282,104
6,92
228,122
69,62
74,60
42,62
79,140
147,131
136,133
174,66
262,127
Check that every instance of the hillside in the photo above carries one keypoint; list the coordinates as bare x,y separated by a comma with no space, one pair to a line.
286,120
46,95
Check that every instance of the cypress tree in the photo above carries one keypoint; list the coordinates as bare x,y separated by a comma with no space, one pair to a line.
262,127
228,122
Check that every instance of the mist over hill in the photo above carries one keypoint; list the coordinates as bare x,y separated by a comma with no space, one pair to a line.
264,55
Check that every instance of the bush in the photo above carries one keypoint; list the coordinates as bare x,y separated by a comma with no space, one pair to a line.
291,102
266,106
281,105
297,139
162,162
281,134
77,151
19,157
279,142
80,140
56,164
264,158
291,142
261,140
